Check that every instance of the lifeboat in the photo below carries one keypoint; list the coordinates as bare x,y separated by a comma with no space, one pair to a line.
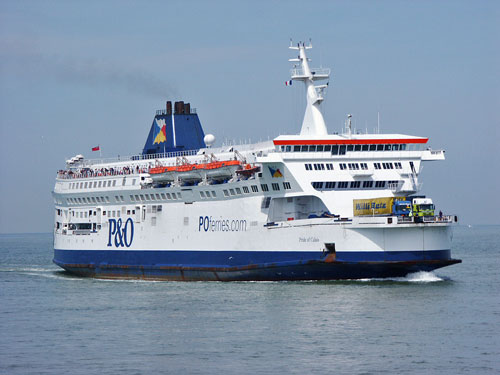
163,174
190,172
248,170
222,169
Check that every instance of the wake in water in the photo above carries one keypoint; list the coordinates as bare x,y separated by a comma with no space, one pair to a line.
417,277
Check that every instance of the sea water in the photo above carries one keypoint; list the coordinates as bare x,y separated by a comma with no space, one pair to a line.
444,322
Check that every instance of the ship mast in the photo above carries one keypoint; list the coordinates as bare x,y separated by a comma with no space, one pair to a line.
313,123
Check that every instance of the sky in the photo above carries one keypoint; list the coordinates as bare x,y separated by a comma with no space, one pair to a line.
77,74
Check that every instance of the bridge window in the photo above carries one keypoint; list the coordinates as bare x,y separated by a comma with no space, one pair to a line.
296,148
245,189
275,186
350,147
380,184
330,185
357,148
255,189
319,148
343,184
286,185
355,184
342,150
335,149
364,148
367,184
317,185
264,187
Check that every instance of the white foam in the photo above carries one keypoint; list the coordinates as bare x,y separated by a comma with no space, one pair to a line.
423,277
416,277
27,269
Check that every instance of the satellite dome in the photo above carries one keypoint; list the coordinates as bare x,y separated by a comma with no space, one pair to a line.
209,140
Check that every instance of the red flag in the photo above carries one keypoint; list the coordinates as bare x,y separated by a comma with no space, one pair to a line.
97,148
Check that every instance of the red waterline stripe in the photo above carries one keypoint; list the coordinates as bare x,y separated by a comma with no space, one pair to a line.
349,141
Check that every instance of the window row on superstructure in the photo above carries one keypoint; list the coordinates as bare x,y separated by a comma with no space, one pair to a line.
96,184
330,185
319,166
351,166
342,149
204,194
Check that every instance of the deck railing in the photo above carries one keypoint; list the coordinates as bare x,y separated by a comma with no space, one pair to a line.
161,155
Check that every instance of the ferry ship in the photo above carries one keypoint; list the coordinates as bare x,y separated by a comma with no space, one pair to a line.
308,206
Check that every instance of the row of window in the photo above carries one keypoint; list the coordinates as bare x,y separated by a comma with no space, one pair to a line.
120,198
319,166
342,149
255,189
207,194
328,185
93,200
94,184
351,166
112,213
153,197
396,165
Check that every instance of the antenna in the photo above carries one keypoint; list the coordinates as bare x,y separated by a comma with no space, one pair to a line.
378,122
349,116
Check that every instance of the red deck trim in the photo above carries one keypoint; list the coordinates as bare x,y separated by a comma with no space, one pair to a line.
348,141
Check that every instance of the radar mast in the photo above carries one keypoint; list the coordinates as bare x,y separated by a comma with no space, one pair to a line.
313,123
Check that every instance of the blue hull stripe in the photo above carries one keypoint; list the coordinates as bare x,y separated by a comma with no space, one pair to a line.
147,258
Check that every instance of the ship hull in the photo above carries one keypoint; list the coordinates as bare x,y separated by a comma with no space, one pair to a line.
248,266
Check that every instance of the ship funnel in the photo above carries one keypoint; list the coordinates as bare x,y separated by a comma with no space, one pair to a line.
174,132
